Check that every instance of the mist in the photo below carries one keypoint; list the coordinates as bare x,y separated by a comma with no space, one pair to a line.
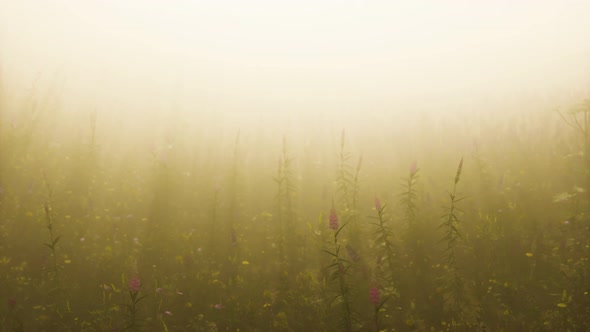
297,58
294,165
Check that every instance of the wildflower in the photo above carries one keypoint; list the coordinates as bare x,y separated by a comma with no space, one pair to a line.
218,306
168,313
353,254
413,168
333,220
377,204
134,285
374,297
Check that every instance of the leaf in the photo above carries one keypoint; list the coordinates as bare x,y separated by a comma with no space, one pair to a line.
329,252
341,228
56,240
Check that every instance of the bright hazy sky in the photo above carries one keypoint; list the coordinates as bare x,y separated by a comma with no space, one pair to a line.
298,56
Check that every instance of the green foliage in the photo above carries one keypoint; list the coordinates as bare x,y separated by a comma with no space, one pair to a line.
248,253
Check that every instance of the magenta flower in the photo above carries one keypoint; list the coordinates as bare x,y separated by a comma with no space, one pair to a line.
134,285
377,204
374,296
333,220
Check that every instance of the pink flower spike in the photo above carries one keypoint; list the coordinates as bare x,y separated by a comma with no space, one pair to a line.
218,306
374,296
333,220
378,204
134,285
168,313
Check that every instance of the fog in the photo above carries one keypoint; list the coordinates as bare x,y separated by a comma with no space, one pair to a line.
297,59
294,165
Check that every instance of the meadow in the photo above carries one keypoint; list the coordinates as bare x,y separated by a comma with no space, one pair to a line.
467,222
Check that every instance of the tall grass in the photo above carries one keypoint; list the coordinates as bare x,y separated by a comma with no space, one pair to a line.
221,246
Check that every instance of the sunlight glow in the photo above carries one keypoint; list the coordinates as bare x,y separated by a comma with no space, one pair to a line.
300,56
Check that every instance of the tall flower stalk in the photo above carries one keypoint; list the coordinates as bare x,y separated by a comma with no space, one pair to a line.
134,287
409,196
348,188
339,269
285,193
377,302
453,282
384,243
53,239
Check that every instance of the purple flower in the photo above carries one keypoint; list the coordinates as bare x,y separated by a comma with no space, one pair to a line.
134,285
374,296
378,204
333,220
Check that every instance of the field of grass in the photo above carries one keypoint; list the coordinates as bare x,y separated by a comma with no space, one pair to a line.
463,223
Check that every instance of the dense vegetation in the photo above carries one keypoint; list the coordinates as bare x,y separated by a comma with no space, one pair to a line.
474,223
